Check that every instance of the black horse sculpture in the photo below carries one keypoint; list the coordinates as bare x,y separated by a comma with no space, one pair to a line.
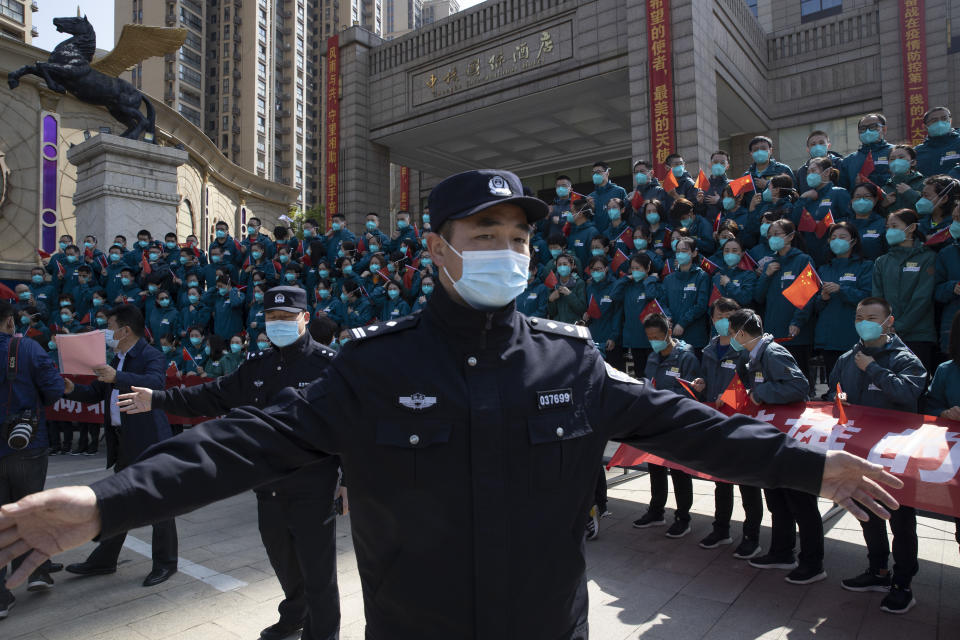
69,69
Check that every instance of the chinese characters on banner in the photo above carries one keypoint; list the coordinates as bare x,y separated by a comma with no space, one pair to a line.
661,82
332,148
404,188
913,40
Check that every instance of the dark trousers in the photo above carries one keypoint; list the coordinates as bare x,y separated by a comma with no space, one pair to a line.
302,549
600,492
682,491
752,507
829,362
903,525
802,355
615,358
21,474
926,352
89,436
639,360
792,510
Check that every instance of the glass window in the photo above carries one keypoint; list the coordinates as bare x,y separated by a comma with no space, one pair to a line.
190,76
12,9
816,9
190,114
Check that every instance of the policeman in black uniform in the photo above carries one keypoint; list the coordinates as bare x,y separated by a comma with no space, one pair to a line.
294,513
469,474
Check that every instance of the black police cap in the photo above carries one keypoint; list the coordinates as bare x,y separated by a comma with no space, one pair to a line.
292,299
464,194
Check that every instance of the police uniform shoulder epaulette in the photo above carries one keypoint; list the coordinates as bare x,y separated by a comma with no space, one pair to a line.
325,351
383,328
253,355
560,328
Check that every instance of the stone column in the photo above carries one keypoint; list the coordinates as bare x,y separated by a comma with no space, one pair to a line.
125,185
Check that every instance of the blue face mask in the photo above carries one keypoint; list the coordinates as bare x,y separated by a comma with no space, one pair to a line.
235,348
729,204
555,253
426,262
678,170
393,294
37,279
839,246
263,346
722,326
642,179
402,224
258,296
290,276
166,348
767,195
223,292
674,243
939,128
88,245
374,268
52,345
684,257
193,299
307,233
862,205
373,248
955,230
323,293
64,303
563,270
24,295
687,222
568,217
125,282
718,169
598,179
760,156
895,237
763,229
256,254
870,136
184,260
348,270
215,259
776,243
24,320
340,253
164,303
899,166
323,273
62,245
639,244
562,192
71,259
371,225
152,288
335,227
143,243
598,275
154,257
426,218
818,151
97,302
735,344
221,234
427,289
731,259
614,213
653,217
101,322
869,330
114,257
283,332
638,275
195,341
283,258
596,252
814,180
391,267
659,345
171,245
924,206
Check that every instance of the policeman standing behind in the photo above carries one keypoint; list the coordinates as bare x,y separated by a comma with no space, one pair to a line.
479,463
293,513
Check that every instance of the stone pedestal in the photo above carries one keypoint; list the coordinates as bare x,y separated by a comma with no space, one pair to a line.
124,186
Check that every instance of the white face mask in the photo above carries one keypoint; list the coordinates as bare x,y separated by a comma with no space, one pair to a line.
112,342
490,279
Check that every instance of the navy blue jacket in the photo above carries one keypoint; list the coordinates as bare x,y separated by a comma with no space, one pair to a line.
772,375
895,380
38,385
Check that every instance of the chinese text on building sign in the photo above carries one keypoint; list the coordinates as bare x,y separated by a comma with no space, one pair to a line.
913,40
332,147
661,82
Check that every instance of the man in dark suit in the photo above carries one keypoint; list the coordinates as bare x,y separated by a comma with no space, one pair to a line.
127,435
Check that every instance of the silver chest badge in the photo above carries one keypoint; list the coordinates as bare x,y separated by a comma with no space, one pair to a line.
417,401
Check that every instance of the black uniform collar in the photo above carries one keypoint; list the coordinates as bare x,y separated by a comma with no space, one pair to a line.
463,324
299,347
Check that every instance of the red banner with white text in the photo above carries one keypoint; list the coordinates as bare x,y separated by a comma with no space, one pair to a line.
660,73
923,451
332,145
913,44
404,188
65,410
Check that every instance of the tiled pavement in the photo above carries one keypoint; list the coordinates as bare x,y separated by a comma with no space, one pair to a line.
641,583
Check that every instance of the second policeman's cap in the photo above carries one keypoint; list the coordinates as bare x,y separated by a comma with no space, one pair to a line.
292,299
464,194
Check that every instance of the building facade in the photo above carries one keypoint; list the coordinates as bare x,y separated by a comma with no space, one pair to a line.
401,17
434,10
37,183
16,20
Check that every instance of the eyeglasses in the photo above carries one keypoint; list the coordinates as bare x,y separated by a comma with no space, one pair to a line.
876,126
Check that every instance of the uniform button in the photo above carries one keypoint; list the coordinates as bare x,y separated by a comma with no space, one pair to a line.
414,440
279,368
472,361
559,432
273,493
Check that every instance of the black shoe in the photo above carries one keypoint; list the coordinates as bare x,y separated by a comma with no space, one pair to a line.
748,548
54,452
869,580
76,452
65,450
54,567
6,603
678,529
280,630
771,561
899,600
39,581
158,576
87,569
649,520
91,451
593,525
806,575
715,539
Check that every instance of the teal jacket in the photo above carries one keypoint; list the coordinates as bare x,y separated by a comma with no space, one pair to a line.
578,242
601,196
872,229
850,166
907,199
164,321
197,316
904,277
533,300
944,391
895,380
608,294
772,374
718,370
938,155
779,313
685,296
636,296
569,308
831,199
742,286
393,309
835,329
681,362
948,276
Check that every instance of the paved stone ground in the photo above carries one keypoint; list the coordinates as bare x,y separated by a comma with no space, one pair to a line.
641,583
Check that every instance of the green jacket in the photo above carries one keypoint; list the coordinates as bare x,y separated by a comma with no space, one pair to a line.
569,308
907,199
904,277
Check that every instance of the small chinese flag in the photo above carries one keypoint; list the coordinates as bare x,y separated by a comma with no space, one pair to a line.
145,265
60,270
709,266
88,253
868,166
742,184
716,221
172,371
803,288
551,280
747,263
824,224
593,310
807,223
702,182
940,236
361,246
408,277
102,261
238,246
246,263
574,196
33,332
667,269
652,307
85,319
277,266
626,238
841,412
667,235
687,388
186,356
736,396
566,229
43,254
714,296
618,259
6,293
670,182
636,201
300,247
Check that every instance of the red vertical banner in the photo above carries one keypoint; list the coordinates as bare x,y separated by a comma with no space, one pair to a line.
404,188
913,42
332,147
660,72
